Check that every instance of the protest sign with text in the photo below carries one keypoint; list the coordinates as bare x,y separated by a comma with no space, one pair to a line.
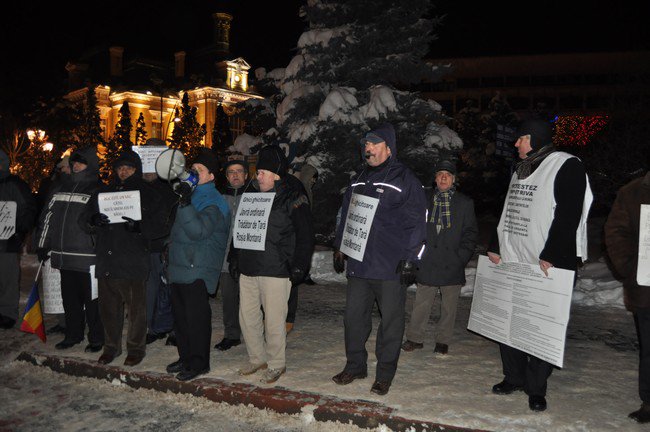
358,222
7,219
148,155
118,204
251,220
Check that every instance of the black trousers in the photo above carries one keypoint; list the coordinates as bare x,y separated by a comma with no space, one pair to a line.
360,299
642,321
230,297
522,369
79,308
192,324
114,296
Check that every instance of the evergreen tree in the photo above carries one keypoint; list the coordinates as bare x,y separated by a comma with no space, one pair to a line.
221,134
352,70
188,134
140,131
89,131
119,142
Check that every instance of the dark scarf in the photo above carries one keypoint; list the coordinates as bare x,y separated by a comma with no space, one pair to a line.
526,166
441,212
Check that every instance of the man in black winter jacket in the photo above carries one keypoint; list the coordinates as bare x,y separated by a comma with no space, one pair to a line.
123,261
14,194
72,250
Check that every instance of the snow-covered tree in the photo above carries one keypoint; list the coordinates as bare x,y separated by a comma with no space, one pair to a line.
89,131
119,142
352,71
140,131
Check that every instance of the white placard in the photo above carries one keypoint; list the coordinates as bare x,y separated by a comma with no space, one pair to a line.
52,300
643,267
8,211
515,304
148,156
94,289
358,222
118,204
251,220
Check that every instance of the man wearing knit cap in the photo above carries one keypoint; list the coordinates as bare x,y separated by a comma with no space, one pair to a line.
122,268
388,264
553,235
266,275
451,238
236,172
197,245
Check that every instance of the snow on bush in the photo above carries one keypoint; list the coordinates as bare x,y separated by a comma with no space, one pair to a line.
381,102
339,106
243,143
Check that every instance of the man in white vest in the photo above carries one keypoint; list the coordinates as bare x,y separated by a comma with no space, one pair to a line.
543,222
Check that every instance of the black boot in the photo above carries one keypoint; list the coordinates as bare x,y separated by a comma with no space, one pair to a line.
642,415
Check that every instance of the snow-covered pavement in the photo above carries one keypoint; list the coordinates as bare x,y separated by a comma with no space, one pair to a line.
595,391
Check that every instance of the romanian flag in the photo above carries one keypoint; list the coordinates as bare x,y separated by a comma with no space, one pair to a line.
33,319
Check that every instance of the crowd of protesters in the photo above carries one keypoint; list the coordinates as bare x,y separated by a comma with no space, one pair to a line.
162,267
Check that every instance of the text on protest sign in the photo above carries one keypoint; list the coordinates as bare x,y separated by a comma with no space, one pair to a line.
251,220
52,300
515,304
643,267
148,156
8,211
358,222
118,204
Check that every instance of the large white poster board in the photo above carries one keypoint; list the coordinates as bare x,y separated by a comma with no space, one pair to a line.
148,156
251,220
358,222
643,268
515,304
8,211
52,300
118,204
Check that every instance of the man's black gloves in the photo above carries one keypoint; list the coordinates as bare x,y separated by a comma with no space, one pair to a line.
43,254
296,276
339,261
233,268
131,225
184,192
406,271
99,219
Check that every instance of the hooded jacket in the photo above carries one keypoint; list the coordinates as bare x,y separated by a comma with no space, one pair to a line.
398,230
122,254
58,230
13,189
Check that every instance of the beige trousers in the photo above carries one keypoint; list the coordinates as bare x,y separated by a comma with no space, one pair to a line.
424,299
272,294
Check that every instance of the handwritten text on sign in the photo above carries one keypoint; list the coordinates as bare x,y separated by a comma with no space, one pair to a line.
148,156
251,220
118,204
358,222
515,304
7,219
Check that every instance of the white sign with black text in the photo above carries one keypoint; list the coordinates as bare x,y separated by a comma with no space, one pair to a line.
358,222
148,156
515,304
8,211
643,267
52,300
251,220
118,204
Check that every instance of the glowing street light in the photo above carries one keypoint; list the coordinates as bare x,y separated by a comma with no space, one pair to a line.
48,146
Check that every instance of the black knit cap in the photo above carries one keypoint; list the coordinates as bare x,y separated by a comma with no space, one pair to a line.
540,131
232,162
272,158
208,159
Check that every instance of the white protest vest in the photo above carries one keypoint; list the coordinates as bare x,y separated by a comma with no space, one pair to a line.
529,210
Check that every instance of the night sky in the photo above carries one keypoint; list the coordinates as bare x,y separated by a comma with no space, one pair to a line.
40,37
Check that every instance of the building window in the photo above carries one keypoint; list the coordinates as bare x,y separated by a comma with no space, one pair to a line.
236,126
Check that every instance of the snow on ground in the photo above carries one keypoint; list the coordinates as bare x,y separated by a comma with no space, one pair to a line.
594,392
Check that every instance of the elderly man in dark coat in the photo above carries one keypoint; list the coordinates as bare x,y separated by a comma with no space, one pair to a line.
622,239
451,239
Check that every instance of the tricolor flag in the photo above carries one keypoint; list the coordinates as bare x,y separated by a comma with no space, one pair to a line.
33,319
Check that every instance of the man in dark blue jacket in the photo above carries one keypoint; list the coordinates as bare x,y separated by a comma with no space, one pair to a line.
395,239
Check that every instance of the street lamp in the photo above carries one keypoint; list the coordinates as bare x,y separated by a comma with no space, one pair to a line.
48,146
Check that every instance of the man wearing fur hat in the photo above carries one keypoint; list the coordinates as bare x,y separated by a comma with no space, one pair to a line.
554,236
451,238
267,275
122,268
392,246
